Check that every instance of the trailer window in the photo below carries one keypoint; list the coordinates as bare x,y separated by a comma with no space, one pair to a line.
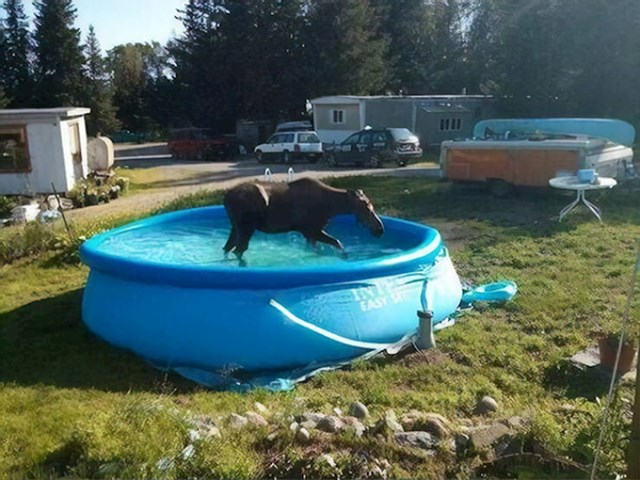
14,154
337,116
447,124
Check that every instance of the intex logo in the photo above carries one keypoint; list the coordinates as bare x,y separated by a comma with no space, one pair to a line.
383,293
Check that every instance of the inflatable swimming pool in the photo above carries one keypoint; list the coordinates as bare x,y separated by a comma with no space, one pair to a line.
161,288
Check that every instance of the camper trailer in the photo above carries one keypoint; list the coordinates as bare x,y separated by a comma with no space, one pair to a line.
529,152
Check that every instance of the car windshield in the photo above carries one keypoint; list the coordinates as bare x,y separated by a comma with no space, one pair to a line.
402,134
191,133
308,138
202,134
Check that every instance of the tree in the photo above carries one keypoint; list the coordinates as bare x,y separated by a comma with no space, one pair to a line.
4,101
204,76
59,58
15,67
268,76
135,69
97,93
405,24
447,56
344,50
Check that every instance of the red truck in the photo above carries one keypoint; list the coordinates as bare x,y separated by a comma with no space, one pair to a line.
200,144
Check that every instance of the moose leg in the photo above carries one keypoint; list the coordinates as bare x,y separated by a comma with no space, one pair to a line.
231,241
323,237
243,235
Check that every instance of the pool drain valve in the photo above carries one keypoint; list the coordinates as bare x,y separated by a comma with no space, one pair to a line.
425,338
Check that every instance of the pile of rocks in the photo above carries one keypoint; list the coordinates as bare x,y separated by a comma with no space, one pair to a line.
424,432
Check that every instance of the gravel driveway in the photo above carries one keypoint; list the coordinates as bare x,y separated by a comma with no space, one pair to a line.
173,179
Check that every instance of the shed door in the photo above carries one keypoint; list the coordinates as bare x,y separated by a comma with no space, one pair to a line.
76,154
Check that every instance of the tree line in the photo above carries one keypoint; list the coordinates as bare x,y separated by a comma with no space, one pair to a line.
263,59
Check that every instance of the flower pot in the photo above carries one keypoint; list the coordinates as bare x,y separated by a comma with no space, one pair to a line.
608,347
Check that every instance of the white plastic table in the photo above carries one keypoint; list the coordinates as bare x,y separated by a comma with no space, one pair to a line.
572,183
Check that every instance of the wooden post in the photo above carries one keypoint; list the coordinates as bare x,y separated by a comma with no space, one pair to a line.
60,209
633,456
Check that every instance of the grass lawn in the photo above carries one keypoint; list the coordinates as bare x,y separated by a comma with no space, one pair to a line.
71,405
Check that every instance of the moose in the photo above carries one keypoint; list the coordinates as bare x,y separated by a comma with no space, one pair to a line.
305,205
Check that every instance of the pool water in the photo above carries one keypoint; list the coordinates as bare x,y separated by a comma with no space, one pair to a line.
199,242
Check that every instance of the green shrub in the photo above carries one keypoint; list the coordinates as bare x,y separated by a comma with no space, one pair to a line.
6,205
95,190
33,238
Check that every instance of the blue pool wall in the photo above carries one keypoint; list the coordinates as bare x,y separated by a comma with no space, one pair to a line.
219,317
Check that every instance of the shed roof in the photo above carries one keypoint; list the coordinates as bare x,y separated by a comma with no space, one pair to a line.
47,114
355,99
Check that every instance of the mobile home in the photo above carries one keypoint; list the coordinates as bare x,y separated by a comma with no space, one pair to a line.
434,118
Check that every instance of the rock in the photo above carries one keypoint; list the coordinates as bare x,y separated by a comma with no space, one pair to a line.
194,435
256,419
486,405
358,410
309,420
387,425
310,416
329,460
187,452
629,377
53,204
260,408
338,412
376,472
330,424
303,436
410,418
272,436
355,424
422,440
462,442
203,432
237,421
294,426
489,436
436,427
429,422
516,423
308,424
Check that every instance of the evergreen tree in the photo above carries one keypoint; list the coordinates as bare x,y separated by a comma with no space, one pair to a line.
15,68
97,94
207,88
269,75
135,69
4,101
59,58
3,40
406,25
447,69
344,49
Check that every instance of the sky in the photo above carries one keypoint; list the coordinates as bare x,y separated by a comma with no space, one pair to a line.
126,21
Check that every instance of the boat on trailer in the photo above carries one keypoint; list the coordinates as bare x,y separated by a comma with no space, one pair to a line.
529,152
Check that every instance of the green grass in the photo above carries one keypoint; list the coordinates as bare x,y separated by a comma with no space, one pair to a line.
73,405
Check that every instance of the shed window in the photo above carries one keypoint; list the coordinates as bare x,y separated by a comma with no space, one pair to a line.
447,124
14,154
337,116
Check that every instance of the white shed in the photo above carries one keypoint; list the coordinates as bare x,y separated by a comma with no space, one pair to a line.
42,146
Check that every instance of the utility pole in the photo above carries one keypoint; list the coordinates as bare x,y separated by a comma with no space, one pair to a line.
633,456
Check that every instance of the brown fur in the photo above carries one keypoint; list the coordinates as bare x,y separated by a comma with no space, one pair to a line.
305,206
